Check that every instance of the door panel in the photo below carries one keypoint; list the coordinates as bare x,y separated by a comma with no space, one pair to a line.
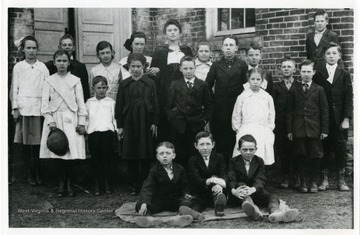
49,25
99,24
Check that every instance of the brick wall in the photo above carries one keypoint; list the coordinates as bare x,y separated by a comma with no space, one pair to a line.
151,21
21,22
283,32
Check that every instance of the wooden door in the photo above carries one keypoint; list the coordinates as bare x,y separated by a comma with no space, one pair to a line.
49,24
99,24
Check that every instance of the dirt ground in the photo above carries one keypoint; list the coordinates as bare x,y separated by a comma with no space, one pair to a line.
38,206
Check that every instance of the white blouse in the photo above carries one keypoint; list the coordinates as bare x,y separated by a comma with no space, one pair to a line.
26,88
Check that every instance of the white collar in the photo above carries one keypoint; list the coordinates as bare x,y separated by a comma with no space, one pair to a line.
333,67
290,79
27,65
309,83
250,67
191,80
198,62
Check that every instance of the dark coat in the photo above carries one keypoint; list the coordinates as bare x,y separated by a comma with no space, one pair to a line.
123,100
159,187
279,94
168,73
198,172
316,53
228,84
189,107
307,113
237,173
77,69
339,94
269,79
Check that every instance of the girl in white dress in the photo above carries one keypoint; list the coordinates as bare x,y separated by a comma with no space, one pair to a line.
112,71
27,82
254,114
63,107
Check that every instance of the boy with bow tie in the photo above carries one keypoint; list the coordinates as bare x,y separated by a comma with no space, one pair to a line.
283,146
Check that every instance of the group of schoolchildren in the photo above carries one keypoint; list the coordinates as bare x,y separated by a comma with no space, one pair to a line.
174,101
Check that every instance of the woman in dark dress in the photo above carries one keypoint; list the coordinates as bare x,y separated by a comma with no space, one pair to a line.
167,59
136,113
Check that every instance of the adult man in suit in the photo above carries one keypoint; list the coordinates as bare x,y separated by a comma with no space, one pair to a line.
76,68
307,122
339,92
246,178
207,175
315,41
189,108
228,77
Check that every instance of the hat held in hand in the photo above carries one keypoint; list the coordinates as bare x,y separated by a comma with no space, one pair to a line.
57,142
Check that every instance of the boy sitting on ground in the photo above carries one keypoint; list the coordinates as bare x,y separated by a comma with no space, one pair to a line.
246,176
165,189
207,175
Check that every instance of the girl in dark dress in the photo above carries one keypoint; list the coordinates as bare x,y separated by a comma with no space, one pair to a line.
167,59
136,113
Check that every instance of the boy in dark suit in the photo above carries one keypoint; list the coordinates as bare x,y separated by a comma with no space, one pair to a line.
228,76
165,189
247,179
189,107
76,68
207,175
339,92
315,41
253,55
307,123
283,146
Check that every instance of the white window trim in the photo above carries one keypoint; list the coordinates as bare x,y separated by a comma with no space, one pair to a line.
211,17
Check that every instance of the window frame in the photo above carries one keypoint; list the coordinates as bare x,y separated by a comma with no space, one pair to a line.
212,22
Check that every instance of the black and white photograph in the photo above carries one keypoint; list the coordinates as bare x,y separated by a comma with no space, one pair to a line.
157,116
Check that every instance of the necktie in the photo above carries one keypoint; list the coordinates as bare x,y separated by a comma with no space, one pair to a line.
305,87
189,84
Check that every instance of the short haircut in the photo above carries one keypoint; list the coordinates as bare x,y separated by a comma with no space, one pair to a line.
332,44
256,70
231,37
288,58
172,22
136,57
128,42
246,138
66,36
253,45
203,43
98,79
306,63
28,38
203,134
102,45
166,144
187,58
321,13
61,52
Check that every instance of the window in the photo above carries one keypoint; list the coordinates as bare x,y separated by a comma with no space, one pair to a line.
223,21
